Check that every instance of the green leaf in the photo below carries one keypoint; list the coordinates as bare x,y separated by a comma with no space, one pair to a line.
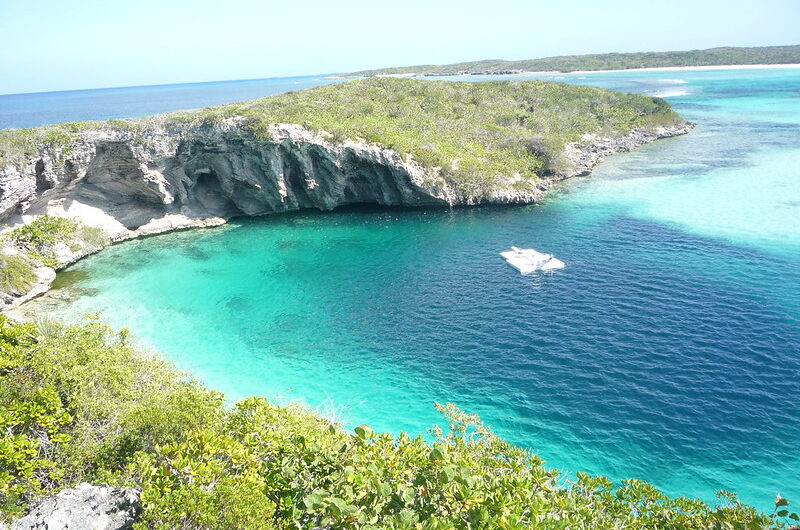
363,432
339,506
313,500
407,495
783,513
447,475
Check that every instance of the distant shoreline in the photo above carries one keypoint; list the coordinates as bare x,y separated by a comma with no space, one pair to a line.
558,72
668,68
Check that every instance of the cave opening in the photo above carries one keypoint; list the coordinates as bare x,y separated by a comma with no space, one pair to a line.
42,182
209,193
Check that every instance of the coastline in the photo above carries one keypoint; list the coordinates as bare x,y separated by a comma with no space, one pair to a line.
583,72
673,68
584,157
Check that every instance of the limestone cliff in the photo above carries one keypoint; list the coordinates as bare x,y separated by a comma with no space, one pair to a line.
152,180
141,182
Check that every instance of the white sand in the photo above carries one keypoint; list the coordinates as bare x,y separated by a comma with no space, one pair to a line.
668,68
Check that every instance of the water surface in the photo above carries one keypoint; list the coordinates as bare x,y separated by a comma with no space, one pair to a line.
42,108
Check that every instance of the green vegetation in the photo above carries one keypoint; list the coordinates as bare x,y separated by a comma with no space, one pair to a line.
16,145
478,136
473,132
79,402
39,237
16,273
610,61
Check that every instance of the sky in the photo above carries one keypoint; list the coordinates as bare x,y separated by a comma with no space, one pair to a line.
48,45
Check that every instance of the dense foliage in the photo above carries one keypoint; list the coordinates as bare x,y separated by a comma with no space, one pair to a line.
477,136
611,61
79,402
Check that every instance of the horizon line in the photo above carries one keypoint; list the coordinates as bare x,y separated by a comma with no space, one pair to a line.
167,84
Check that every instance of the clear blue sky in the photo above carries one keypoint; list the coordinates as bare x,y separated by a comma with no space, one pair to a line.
71,44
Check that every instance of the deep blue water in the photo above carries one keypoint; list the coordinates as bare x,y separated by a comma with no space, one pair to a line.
41,108
668,349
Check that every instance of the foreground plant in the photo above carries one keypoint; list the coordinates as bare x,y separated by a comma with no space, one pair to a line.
79,402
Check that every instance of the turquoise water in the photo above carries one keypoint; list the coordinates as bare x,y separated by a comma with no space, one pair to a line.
668,349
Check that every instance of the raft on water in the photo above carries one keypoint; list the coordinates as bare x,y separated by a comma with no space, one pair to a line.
527,260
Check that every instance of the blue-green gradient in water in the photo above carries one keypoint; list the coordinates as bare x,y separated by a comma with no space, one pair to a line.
668,349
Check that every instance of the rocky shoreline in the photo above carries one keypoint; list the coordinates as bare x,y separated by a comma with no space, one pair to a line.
134,184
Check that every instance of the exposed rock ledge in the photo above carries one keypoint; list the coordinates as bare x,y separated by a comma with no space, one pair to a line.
84,507
134,184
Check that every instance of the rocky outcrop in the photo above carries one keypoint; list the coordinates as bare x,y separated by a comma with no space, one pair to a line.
146,180
592,149
193,174
85,507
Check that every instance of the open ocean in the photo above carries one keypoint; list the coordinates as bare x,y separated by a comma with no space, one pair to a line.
668,349
42,108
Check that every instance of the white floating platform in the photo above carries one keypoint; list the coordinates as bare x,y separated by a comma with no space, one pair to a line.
527,260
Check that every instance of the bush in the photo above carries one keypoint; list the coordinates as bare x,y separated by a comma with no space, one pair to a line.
119,401
39,237
16,274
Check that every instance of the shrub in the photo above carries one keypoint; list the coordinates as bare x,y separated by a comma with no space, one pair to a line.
93,236
39,237
42,234
118,401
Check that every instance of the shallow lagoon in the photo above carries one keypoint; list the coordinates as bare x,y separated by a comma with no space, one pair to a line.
668,349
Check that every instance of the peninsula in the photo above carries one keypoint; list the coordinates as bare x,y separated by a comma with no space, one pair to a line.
78,186
726,56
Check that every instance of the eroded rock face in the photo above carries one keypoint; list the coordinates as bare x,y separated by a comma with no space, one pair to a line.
214,171
198,173
85,507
